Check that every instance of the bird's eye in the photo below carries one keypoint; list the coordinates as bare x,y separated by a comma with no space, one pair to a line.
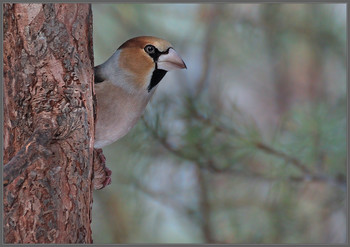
150,49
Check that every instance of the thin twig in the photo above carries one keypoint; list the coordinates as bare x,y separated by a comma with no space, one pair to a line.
165,143
207,48
204,206
267,149
211,167
162,198
261,146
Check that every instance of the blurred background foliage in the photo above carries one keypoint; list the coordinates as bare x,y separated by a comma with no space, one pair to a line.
248,145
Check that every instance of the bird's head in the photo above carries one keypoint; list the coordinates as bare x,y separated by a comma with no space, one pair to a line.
146,60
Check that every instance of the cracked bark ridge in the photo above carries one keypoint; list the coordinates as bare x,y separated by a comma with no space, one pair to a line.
48,122
35,147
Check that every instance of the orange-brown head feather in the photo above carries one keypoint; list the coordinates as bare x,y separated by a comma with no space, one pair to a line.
134,59
136,68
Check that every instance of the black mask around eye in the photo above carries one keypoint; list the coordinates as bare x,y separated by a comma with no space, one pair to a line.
150,49
153,52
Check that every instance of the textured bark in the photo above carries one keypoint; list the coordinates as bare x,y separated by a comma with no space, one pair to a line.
48,123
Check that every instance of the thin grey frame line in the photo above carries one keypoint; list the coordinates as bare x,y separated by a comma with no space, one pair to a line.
196,2
189,2
2,124
348,114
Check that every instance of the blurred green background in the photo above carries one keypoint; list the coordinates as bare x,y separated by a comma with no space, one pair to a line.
248,145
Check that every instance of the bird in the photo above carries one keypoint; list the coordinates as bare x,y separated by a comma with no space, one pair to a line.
125,83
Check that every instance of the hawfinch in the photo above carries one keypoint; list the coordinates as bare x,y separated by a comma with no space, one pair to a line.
125,83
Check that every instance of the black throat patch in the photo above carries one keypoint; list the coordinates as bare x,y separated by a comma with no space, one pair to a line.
157,76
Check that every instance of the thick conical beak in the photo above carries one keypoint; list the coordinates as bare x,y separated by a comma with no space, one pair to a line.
170,61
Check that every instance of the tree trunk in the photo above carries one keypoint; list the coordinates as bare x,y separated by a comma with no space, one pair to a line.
48,123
